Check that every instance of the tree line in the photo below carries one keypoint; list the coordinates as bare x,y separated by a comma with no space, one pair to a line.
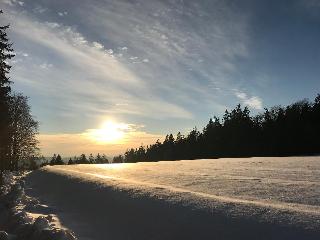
82,159
278,131
18,128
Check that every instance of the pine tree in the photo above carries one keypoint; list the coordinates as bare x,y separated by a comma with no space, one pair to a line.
59,160
98,159
70,162
6,53
83,159
91,158
53,159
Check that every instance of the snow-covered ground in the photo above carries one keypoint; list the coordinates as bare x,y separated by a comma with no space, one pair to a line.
248,198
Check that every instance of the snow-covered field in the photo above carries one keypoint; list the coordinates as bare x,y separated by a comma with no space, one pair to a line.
248,198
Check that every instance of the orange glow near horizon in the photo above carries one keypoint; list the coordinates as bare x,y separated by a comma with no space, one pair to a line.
111,137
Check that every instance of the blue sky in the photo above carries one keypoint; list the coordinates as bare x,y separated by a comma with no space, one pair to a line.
158,66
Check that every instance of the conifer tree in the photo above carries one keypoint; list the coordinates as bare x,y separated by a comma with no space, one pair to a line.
70,162
53,159
6,53
59,160
91,158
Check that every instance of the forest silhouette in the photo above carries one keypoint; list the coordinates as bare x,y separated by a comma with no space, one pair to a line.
278,131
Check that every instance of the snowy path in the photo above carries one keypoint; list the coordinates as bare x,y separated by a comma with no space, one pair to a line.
250,198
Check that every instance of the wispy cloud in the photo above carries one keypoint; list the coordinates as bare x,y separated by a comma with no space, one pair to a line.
39,9
254,101
46,65
185,55
61,14
13,2
87,65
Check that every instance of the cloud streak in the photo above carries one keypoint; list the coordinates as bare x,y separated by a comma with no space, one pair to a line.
254,102
88,65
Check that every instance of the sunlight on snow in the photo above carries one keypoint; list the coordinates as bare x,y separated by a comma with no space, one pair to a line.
114,166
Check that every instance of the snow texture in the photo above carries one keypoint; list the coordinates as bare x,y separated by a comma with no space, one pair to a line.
20,224
245,198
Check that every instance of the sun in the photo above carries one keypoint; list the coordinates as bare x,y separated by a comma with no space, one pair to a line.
110,132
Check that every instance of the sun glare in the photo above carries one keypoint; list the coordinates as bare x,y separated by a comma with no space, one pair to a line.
110,132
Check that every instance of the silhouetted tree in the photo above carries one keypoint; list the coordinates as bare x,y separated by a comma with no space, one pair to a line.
6,53
70,162
212,138
23,130
59,160
101,159
56,160
168,148
91,158
53,159
82,159
98,159
118,159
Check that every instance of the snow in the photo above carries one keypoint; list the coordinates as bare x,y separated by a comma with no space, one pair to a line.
244,198
15,220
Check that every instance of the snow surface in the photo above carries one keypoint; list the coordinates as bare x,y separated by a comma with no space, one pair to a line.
247,198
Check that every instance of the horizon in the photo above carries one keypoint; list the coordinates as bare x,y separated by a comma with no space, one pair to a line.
104,76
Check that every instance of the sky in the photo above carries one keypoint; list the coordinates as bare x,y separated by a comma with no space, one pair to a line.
148,68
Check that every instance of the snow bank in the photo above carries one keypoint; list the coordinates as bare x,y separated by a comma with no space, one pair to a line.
15,219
